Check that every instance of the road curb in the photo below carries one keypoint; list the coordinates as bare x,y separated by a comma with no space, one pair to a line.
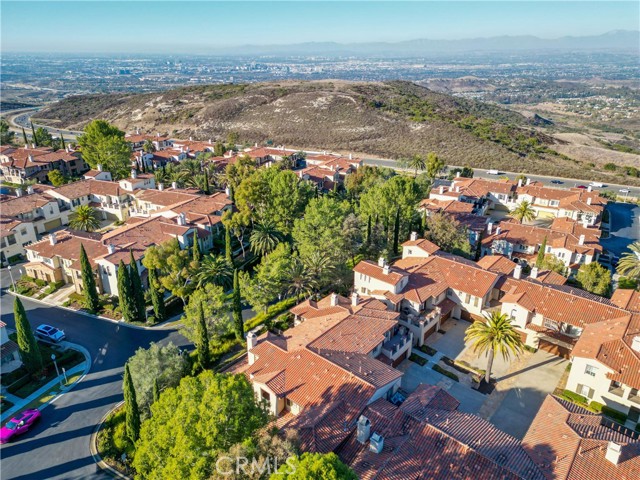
93,447
90,315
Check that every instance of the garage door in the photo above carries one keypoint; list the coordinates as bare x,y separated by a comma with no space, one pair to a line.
52,224
399,360
563,352
429,332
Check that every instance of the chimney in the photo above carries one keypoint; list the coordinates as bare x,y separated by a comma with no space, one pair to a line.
53,239
457,189
29,189
517,272
414,236
255,145
386,269
589,188
581,241
381,261
519,182
227,190
174,185
498,230
355,299
334,299
589,201
99,167
585,222
191,139
489,228
30,158
364,429
350,156
134,173
534,273
376,444
161,186
441,189
182,219
635,343
210,142
252,342
33,145
18,192
528,181
111,248
157,134
613,452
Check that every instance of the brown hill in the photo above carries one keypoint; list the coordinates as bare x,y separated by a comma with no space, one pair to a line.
391,119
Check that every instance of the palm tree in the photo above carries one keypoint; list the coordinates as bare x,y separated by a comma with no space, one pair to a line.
84,218
148,146
496,334
264,237
214,269
192,166
300,282
415,163
523,211
319,266
629,264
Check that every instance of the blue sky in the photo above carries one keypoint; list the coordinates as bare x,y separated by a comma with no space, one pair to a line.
163,26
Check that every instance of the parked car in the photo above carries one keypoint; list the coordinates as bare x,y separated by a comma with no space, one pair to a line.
581,186
19,424
596,184
493,172
623,190
52,334
557,182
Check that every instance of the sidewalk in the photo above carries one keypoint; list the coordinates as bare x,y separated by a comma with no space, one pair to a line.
20,403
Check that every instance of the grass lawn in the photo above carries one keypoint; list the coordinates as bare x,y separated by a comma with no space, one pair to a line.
52,392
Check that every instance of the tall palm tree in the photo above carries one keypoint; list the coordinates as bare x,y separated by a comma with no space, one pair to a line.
629,264
84,218
214,269
264,237
148,146
496,334
524,211
300,282
192,166
319,266
415,163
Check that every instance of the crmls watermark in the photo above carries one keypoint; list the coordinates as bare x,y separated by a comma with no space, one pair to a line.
226,465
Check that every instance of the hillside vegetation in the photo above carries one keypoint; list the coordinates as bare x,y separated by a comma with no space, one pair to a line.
390,119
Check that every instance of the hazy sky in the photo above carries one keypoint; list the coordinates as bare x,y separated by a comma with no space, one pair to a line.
163,26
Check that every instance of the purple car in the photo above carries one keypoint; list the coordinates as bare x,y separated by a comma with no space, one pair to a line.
19,425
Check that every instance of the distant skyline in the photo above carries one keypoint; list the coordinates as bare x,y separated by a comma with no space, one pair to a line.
199,27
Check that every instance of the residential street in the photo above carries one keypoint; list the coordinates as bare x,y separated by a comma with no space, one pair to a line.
58,447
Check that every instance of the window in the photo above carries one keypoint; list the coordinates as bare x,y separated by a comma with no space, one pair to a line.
410,252
585,391
475,301
11,239
514,311
265,395
554,203
591,370
550,324
23,231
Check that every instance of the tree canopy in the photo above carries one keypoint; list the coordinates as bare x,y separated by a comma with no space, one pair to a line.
315,466
103,144
594,278
448,234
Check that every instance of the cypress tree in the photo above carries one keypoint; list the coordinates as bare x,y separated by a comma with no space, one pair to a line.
227,245
206,182
541,253
26,140
27,345
196,247
156,390
33,133
125,295
203,339
132,412
91,301
237,307
139,306
369,230
396,232
230,193
157,299
64,146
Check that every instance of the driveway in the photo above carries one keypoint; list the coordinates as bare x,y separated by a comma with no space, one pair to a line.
624,222
527,389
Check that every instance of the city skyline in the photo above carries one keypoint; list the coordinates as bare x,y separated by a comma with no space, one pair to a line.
202,27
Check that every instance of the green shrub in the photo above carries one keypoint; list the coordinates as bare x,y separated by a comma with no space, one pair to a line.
112,439
574,397
614,414
596,406
446,373
41,283
418,359
8,378
272,311
531,349
428,350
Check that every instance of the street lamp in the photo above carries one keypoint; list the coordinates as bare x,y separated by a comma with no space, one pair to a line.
11,275
53,357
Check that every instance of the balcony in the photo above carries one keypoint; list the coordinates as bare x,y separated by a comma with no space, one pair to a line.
616,389
634,396
397,345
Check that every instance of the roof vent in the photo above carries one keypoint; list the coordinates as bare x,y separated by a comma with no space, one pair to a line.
613,452
376,444
364,429
635,343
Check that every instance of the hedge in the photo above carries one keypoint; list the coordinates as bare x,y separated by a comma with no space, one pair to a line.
418,359
272,311
614,414
446,373
596,406
428,350
574,397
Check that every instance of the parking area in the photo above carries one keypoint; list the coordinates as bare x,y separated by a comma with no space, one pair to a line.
522,383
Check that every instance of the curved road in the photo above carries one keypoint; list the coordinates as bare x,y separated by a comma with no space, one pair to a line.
58,447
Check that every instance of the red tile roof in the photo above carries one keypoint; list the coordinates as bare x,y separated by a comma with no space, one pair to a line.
372,269
424,244
497,263
627,299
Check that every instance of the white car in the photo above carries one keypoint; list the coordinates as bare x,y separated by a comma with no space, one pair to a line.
47,332
623,190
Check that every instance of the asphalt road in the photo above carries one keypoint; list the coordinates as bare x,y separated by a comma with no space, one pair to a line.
20,119
564,182
624,222
58,447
